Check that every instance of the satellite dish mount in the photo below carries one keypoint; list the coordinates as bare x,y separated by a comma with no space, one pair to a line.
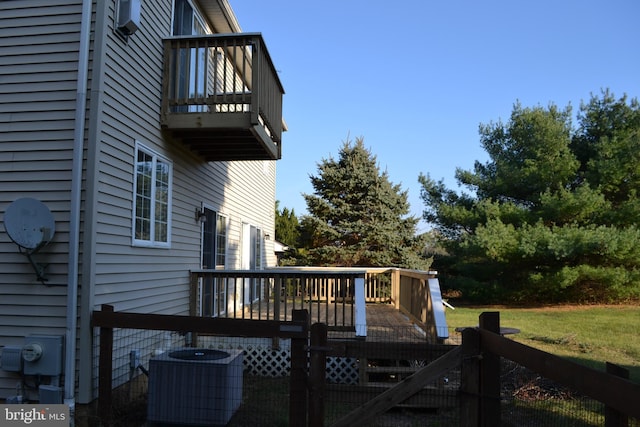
31,226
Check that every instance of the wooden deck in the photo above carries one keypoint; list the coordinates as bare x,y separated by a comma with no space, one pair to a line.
352,301
384,322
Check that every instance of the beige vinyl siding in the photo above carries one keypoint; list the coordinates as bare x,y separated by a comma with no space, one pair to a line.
133,278
156,279
38,46
252,195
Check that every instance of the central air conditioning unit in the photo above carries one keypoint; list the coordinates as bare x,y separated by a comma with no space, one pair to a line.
195,386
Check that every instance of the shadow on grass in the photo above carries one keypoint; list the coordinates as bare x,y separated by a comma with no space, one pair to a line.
265,402
553,412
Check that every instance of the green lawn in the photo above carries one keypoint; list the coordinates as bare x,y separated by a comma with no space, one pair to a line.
591,335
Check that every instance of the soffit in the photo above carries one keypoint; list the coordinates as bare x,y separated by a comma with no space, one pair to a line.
220,15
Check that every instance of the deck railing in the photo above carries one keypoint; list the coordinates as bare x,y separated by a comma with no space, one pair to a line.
335,296
417,295
331,296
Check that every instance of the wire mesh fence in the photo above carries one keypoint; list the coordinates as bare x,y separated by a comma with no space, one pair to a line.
529,399
235,381
157,376
380,365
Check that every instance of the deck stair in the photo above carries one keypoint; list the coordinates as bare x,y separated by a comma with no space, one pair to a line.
380,375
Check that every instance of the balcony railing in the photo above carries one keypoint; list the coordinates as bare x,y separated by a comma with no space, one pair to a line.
222,96
335,296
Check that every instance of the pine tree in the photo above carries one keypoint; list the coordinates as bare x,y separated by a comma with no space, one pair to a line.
357,217
553,215
287,225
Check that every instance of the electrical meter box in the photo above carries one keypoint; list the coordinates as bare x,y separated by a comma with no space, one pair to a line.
42,355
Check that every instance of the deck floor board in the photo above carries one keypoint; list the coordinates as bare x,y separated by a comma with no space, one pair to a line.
384,322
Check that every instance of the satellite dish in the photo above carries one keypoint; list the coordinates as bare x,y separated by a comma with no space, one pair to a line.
29,224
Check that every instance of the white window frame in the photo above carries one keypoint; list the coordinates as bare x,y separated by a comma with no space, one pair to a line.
252,287
155,158
221,297
222,219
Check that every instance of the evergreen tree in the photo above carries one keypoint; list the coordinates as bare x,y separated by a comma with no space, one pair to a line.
287,225
552,216
357,217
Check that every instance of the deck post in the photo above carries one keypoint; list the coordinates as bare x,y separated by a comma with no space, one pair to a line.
194,291
194,297
298,377
395,287
360,308
489,374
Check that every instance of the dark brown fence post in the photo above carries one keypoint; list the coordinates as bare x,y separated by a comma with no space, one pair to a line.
489,374
470,379
612,417
104,372
317,374
298,378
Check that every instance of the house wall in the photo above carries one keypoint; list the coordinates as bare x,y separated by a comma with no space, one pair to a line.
156,279
39,41
126,97
38,72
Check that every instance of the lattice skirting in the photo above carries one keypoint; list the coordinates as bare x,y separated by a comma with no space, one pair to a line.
342,370
267,362
262,358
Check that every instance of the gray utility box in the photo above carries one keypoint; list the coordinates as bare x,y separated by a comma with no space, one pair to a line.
11,360
50,395
42,355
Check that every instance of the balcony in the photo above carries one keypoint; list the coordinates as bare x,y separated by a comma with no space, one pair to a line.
222,96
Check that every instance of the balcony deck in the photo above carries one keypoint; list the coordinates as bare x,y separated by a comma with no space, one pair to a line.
222,97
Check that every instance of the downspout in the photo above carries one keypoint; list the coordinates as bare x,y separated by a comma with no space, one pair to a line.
74,214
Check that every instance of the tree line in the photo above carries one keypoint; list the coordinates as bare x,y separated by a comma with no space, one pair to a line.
552,216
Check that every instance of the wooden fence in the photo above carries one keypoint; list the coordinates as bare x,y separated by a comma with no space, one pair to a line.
297,330
478,359
480,390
